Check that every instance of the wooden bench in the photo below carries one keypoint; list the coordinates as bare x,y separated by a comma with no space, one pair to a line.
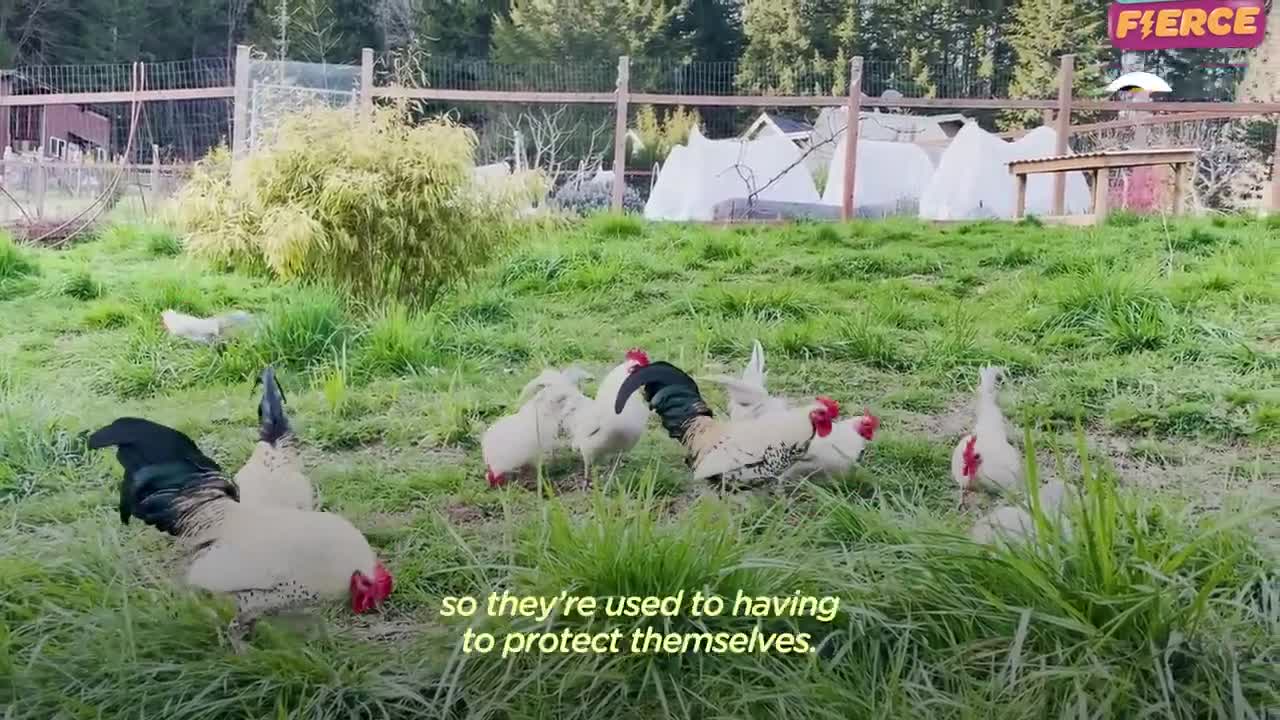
1097,165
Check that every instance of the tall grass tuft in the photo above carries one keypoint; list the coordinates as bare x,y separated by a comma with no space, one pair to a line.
397,343
16,269
1117,309
14,263
82,285
305,329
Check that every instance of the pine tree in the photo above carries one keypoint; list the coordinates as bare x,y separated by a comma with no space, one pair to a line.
777,35
587,31
1042,32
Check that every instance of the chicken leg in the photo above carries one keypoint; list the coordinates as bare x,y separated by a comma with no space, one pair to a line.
252,605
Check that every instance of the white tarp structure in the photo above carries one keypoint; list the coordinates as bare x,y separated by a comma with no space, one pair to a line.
891,174
973,181
704,172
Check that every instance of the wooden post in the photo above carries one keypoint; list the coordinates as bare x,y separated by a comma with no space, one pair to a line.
620,132
4,115
240,105
42,183
1275,171
1101,178
1020,199
1066,76
155,174
853,113
366,82
42,172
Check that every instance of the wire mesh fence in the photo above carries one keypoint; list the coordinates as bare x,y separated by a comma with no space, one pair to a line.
523,115
278,89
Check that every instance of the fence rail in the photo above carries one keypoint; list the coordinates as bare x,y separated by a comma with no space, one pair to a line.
238,93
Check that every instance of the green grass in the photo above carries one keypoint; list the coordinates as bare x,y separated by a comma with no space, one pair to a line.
1157,342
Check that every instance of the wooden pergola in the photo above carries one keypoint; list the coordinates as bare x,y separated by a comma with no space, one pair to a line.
1098,165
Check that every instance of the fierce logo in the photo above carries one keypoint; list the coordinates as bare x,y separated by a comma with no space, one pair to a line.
1168,24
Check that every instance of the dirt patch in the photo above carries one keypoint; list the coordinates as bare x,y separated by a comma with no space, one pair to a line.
388,520
461,514
953,422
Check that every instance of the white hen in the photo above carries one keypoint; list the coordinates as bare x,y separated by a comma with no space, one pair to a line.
984,459
1014,523
202,330
517,442
590,426
832,455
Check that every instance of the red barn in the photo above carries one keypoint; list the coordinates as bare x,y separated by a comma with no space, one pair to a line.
28,127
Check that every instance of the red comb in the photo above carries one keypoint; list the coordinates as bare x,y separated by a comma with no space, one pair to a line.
871,419
638,355
832,406
382,580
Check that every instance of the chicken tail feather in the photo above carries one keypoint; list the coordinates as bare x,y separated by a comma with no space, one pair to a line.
754,372
166,476
988,377
671,394
273,423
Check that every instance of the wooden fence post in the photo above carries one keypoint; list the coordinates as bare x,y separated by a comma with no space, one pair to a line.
1066,76
620,132
853,113
366,82
1275,170
42,183
155,174
240,104
42,171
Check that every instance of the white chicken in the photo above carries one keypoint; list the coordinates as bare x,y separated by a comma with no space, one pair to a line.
741,454
1014,523
748,397
517,442
984,459
832,455
269,559
590,426
273,474
202,330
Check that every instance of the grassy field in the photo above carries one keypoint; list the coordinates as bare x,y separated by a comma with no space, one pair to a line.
1155,345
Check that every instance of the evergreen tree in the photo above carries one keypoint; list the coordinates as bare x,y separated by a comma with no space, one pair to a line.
587,32
1042,32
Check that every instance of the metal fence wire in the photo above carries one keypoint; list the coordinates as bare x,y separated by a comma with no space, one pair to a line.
190,107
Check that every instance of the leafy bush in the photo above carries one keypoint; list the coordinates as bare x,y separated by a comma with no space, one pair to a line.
377,206
584,197
659,135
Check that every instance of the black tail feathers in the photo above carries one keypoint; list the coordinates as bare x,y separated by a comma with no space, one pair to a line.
273,424
671,394
162,467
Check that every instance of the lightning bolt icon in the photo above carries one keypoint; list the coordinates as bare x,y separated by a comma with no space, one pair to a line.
1147,23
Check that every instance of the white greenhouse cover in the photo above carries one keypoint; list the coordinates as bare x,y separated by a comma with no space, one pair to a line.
886,173
973,180
704,172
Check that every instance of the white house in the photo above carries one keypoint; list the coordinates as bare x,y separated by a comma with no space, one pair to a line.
794,129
